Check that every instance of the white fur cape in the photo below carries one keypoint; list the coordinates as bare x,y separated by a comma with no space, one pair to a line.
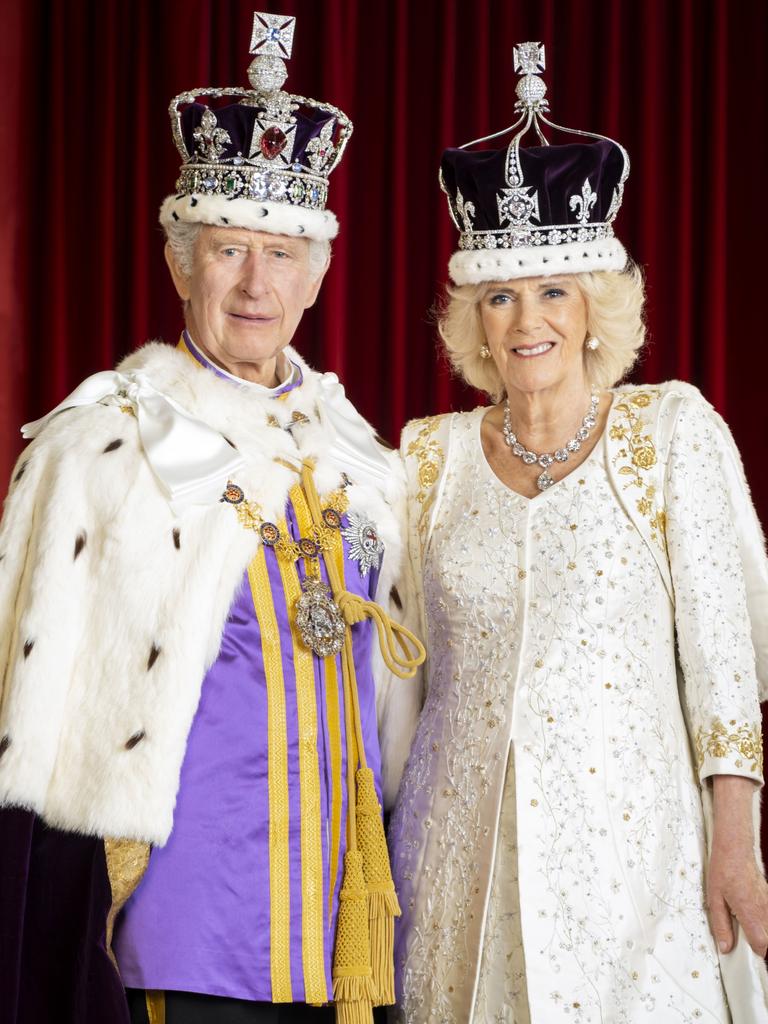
112,608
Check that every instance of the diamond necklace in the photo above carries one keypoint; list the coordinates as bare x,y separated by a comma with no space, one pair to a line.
561,455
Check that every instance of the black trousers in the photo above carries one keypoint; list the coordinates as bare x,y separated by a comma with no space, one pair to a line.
189,1008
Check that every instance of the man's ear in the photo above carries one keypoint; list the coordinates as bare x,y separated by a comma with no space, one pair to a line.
314,289
180,280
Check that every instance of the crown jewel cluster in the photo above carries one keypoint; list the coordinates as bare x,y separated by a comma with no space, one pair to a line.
267,162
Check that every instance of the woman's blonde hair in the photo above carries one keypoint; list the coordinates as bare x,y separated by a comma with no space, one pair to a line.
615,301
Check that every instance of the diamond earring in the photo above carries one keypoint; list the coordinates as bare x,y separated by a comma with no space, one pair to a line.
485,352
593,343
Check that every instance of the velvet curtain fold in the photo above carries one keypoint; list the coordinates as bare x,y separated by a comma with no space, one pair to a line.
683,84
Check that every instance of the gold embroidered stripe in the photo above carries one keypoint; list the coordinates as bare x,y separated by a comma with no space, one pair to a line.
333,713
312,916
279,813
332,705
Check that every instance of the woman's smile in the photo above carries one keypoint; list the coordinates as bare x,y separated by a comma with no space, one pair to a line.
529,351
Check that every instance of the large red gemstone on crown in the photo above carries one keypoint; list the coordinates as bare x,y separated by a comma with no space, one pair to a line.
273,142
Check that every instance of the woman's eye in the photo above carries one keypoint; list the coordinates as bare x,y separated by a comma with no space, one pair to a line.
554,293
500,299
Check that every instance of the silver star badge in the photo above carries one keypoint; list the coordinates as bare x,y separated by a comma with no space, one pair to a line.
365,545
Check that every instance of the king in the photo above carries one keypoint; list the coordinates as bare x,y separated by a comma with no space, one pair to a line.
198,556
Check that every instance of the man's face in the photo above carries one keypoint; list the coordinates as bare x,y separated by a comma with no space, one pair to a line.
246,293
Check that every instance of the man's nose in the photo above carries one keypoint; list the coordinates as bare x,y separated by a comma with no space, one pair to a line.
254,280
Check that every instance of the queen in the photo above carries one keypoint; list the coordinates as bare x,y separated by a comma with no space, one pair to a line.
574,832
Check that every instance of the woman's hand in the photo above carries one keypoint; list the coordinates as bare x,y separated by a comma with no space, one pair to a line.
735,884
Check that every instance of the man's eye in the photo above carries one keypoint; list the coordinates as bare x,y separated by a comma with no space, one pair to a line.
229,252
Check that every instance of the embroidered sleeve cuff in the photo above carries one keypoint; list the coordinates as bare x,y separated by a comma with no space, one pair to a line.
729,748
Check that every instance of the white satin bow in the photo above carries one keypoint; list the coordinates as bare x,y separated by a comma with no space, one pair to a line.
354,447
190,460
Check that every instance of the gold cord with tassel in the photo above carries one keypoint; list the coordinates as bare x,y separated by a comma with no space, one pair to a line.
363,968
383,906
353,991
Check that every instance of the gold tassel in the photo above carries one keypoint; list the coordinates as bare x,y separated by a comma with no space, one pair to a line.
383,907
352,985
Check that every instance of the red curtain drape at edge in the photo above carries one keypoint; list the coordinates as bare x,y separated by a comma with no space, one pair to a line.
87,158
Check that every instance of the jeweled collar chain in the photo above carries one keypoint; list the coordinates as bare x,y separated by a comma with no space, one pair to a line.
545,460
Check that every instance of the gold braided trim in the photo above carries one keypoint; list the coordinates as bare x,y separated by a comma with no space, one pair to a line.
333,698
279,810
155,1006
333,715
638,456
127,861
742,741
312,905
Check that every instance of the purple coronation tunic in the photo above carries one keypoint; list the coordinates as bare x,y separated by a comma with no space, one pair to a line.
243,899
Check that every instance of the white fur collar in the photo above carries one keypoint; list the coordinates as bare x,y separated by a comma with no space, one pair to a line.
334,436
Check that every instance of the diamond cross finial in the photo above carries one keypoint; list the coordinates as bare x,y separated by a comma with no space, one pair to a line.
272,35
529,58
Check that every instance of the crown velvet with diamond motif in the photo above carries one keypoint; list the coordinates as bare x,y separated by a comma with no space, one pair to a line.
538,210
262,160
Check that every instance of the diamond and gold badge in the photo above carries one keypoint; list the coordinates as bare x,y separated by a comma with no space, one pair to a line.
365,546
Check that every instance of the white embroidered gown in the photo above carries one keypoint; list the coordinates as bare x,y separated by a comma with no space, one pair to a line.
548,836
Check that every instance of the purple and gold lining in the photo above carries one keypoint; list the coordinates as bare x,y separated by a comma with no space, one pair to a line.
294,379
243,900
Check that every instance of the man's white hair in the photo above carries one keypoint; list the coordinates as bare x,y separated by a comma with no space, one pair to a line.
182,237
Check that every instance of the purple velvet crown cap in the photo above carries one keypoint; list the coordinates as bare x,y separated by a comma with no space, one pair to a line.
240,123
538,210
556,173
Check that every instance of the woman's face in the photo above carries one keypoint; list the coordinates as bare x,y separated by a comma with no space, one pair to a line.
535,328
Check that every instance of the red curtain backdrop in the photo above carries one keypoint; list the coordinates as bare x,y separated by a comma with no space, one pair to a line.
87,159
